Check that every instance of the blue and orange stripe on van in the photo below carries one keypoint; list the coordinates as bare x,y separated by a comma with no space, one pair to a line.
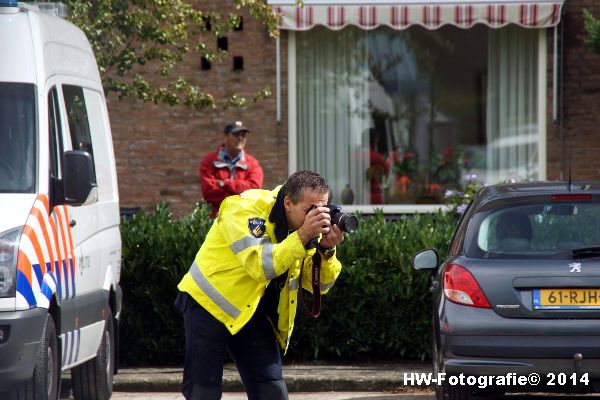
46,260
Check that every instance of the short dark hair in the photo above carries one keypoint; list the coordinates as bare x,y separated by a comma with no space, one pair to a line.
302,180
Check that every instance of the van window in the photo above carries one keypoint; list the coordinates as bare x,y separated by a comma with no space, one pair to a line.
56,148
77,116
54,132
17,137
101,136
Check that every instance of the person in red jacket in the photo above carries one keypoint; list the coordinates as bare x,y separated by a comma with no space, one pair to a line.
229,170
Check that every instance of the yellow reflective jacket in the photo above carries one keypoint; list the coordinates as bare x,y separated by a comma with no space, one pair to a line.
240,256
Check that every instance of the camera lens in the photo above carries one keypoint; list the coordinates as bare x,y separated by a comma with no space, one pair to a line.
348,223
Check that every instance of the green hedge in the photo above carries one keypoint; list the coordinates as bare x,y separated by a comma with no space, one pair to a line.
157,251
378,308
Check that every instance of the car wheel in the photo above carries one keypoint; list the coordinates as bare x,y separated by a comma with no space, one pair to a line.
455,392
93,380
436,366
45,381
445,391
491,392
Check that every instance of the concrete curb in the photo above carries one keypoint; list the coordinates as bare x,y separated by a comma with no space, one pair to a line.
305,378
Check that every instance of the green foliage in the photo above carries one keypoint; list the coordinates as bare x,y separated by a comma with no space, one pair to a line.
157,252
458,201
592,29
379,307
138,43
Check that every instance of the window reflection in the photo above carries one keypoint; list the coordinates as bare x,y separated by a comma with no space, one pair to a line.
402,116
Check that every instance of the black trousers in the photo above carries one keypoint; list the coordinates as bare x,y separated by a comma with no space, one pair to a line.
254,350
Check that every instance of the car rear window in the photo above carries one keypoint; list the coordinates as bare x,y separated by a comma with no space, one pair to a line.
543,230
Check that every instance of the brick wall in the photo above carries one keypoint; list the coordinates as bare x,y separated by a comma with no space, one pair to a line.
158,148
581,98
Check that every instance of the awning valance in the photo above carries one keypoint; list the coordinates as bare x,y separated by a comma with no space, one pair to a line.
429,14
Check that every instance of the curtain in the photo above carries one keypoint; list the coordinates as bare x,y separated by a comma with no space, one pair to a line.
333,115
511,112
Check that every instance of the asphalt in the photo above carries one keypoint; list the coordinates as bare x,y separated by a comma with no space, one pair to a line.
362,377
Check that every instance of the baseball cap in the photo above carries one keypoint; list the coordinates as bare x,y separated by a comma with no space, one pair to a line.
235,127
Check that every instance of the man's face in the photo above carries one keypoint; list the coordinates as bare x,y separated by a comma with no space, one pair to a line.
235,142
295,213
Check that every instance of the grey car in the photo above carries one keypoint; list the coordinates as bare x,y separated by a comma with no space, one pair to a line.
518,295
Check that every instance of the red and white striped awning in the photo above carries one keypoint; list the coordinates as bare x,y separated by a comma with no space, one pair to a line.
432,14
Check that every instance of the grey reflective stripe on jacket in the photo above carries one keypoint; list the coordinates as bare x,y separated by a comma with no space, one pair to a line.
212,292
267,252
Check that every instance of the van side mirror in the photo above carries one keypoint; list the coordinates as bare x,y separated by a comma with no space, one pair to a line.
79,176
425,259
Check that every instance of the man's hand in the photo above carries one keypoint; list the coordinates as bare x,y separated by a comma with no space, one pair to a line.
317,221
332,238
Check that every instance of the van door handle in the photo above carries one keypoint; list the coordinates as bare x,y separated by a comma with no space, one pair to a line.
72,223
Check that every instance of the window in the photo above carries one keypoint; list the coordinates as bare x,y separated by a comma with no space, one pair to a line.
541,230
55,134
18,124
77,116
400,117
104,158
56,148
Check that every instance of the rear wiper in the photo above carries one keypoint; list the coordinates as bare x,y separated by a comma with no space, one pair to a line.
582,252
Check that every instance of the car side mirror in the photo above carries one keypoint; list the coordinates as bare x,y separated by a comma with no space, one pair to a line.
79,176
425,259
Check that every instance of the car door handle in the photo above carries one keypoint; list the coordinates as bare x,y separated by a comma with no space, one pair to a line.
72,223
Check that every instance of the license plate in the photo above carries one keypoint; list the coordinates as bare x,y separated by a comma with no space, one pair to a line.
566,299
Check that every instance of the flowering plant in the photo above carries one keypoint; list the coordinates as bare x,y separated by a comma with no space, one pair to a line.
407,165
448,166
459,201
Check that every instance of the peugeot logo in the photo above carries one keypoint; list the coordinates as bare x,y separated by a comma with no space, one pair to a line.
575,267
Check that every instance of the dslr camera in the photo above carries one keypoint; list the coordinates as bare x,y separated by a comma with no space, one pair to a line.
346,222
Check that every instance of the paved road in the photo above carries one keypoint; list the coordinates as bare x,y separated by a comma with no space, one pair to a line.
339,396
293,396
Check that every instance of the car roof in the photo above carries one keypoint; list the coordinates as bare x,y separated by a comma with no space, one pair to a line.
524,190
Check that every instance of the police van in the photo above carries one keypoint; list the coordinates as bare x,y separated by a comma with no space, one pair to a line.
60,246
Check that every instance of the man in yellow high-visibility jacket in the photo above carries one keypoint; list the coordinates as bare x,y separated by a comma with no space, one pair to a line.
241,293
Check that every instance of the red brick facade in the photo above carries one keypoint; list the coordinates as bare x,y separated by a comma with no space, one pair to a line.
158,147
581,100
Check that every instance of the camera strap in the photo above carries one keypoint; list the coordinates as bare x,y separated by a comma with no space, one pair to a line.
316,287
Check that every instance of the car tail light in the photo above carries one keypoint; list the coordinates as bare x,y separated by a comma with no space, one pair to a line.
461,287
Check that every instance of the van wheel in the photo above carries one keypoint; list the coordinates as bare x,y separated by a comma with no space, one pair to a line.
93,380
44,383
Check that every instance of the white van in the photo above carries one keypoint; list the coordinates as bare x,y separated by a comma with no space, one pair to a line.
60,246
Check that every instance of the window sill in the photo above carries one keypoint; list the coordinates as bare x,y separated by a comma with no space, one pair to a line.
395,208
